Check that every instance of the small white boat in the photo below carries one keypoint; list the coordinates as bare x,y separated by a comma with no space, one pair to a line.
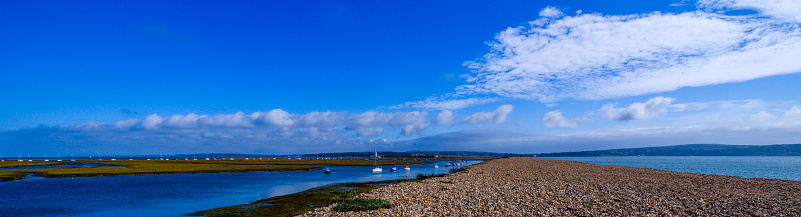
407,168
327,171
375,162
393,169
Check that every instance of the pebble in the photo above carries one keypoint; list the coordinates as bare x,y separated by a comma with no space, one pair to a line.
541,187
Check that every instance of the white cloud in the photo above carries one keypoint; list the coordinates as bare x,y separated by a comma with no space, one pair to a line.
497,116
762,116
367,124
88,125
127,124
793,114
594,56
319,119
444,117
551,12
554,119
275,117
182,121
444,104
150,122
655,107
238,119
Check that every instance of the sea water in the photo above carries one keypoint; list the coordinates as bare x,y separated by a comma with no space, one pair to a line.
176,194
770,167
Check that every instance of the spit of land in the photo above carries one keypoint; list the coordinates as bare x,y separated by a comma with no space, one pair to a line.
540,187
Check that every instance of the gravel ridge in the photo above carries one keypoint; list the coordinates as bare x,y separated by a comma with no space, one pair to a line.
541,187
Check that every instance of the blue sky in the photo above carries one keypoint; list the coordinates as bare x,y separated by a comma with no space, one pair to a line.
312,76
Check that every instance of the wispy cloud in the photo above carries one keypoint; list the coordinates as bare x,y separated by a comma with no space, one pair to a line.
595,56
444,104
717,105
789,10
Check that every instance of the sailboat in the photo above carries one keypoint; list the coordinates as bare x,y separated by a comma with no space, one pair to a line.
407,165
29,158
46,158
327,171
435,162
19,157
59,157
375,162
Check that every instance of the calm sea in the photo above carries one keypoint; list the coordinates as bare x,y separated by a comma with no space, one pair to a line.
784,167
175,194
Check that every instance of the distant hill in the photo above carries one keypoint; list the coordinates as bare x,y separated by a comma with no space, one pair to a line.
691,150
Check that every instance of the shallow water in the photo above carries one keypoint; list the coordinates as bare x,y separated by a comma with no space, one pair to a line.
771,167
175,194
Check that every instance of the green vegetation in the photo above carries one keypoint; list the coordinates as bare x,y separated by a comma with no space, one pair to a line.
359,204
15,163
141,167
423,177
305,201
10,175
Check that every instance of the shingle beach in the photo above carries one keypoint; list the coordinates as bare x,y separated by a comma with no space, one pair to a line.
540,187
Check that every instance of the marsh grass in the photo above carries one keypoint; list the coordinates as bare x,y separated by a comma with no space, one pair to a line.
15,163
424,177
360,204
10,175
120,168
